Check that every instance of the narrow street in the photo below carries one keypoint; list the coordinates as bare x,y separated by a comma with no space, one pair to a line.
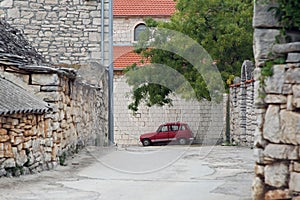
152,173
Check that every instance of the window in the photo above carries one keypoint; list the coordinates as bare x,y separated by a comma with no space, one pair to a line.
137,30
162,129
182,127
174,128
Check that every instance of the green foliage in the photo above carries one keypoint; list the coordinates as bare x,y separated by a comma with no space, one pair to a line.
222,27
267,71
287,12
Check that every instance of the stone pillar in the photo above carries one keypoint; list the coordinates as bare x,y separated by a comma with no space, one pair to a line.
277,175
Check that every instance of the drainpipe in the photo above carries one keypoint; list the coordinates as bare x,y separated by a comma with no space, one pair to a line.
110,76
102,32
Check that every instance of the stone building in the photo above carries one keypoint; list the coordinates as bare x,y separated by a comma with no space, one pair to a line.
46,112
277,167
129,21
64,31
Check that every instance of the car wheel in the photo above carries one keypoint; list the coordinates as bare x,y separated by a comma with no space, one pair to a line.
182,141
146,142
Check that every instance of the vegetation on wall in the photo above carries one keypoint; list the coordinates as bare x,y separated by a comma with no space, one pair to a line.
288,14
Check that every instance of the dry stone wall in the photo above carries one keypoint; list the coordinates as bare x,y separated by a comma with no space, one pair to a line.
277,173
64,31
30,143
242,110
206,119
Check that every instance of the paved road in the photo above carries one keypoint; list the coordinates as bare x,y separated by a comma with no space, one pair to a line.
152,173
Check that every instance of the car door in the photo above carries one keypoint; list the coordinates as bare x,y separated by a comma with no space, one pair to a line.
162,134
173,132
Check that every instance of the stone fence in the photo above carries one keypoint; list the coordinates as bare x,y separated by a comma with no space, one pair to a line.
277,167
242,110
34,142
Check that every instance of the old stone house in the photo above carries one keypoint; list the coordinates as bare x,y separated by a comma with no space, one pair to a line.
46,112
129,21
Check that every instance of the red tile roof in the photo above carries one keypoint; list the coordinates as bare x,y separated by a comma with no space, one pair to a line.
124,56
144,7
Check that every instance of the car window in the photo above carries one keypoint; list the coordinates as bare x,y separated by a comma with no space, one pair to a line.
182,127
162,129
174,127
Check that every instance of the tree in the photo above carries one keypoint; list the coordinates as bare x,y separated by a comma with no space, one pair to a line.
222,27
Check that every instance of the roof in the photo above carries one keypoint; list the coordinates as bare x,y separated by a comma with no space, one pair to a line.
15,49
124,56
144,7
15,99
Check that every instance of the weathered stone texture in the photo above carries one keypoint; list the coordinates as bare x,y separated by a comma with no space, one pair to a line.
59,29
277,136
33,142
243,120
271,130
276,175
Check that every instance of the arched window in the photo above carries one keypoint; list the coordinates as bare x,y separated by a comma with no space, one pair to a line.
137,30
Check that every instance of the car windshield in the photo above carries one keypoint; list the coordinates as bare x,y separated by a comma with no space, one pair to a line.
159,129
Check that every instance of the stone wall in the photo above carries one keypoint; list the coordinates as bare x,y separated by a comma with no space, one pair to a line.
124,28
64,31
242,110
277,172
33,142
205,118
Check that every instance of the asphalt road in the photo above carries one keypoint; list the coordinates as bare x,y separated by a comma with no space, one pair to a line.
144,173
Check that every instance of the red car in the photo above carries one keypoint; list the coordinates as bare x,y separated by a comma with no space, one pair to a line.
176,131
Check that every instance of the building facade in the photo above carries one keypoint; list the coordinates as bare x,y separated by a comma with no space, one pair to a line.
203,117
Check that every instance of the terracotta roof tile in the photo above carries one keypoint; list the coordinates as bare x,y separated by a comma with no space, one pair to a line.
144,7
124,56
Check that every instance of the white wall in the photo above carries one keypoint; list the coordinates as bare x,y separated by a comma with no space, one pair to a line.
205,118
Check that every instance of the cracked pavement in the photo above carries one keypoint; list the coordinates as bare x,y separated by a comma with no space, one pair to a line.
148,173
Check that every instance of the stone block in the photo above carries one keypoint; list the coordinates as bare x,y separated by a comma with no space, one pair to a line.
275,99
271,130
292,76
277,194
259,141
290,127
281,151
45,79
6,4
9,163
264,39
258,189
3,132
262,17
50,96
277,174
274,84
258,153
293,58
296,102
294,183
4,138
21,158
94,37
286,48
296,166
259,170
